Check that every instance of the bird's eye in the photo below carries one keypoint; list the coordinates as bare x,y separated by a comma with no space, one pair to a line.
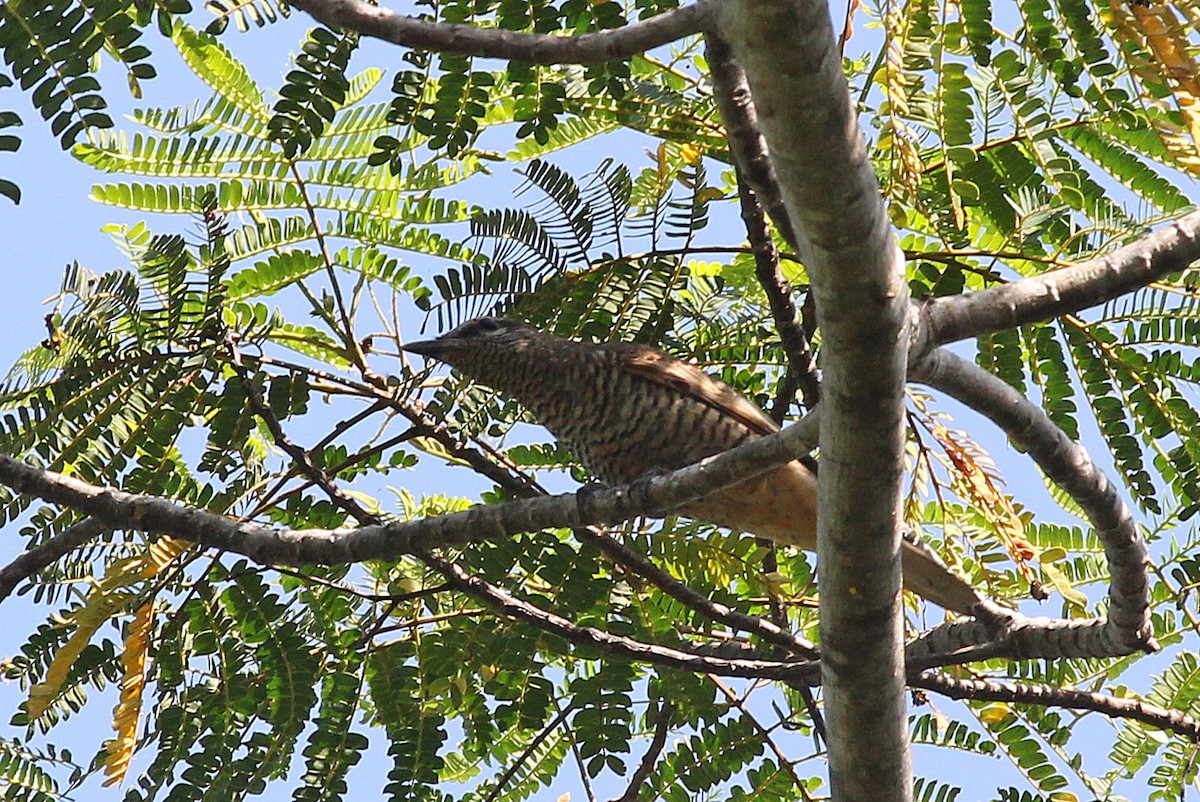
482,327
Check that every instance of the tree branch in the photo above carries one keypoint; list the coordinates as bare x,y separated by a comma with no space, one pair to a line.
662,728
299,455
767,630
48,552
531,48
267,545
789,53
457,576
785,763
1127,628
779,296
521,487
542,735
1052,696
1059,292
747,145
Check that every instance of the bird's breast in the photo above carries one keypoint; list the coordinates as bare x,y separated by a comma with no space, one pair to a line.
620,425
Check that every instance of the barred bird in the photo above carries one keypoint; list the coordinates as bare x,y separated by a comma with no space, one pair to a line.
625,410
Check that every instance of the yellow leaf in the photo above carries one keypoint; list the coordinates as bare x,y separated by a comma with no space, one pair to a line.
368,502
129,708
996,713
1063,585
162,553
697,268
99,608
405,584
777,582
1164,60
103,601
690,153
973,480
1171,49
431,446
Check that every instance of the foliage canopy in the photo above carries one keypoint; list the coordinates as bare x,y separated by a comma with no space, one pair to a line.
332,214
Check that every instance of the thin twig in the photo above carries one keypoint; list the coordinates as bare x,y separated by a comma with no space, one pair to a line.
785,762
1054,696
771,632
48,552
779,295
662,728
542,735
300,456
606,641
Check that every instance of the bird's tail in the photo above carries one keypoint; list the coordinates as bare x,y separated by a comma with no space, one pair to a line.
782,506
926,575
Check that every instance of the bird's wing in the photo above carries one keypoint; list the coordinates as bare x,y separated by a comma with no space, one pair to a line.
655,366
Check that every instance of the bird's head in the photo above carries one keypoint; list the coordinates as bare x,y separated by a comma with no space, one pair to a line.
485,348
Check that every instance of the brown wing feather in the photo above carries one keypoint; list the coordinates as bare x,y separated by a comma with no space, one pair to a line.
782,505
654,365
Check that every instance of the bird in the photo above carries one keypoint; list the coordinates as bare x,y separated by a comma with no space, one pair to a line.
626,410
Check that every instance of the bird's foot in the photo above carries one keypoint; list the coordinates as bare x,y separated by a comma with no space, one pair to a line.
585,501
641,492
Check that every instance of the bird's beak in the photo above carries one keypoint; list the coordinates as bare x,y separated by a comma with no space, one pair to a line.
431,349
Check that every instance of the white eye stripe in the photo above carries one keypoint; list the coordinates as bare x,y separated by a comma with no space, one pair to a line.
482,326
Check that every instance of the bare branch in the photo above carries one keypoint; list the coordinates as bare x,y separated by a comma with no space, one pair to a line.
653,496
531,48
1127,628
377,386
1053,696
1058,292
46,553
662,728
802,366
606,641
746,142
785,763
768,631
299,455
